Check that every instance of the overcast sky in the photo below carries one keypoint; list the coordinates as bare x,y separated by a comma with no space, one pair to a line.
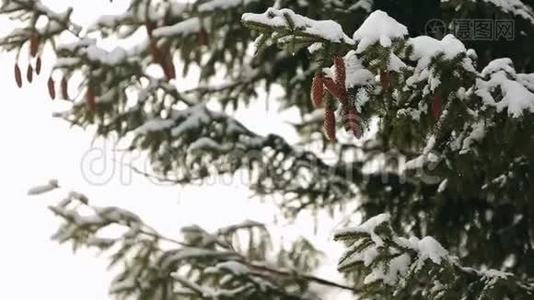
37,147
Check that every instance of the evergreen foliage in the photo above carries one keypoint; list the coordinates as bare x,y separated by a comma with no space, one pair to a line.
453,133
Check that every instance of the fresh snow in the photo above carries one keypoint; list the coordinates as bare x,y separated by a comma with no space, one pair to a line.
357,74
378,27
366,5
190,118
222,4
500,64
195,117
395,64
89,48
477,134
183,28
206,143
114,57
496,273
327,29
429,248
234,267
424,250
37,190
368,227
442,186
154,125
425,47
398,267
366,256
515,7
516,97
426,155
78,196
527,80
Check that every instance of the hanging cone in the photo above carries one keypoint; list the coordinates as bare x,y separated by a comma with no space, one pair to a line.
38,65
169,70
317,91
51,88
202,37
150,26
156,53
385,80
330,124
90,99
168,65
352,121
35,40
436,106
164,59
18,75
341,72
336,91
64,88
29,73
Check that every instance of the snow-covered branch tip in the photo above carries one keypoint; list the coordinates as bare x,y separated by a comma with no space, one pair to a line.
379,256
294,28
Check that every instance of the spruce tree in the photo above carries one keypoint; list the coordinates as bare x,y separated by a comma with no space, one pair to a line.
447,215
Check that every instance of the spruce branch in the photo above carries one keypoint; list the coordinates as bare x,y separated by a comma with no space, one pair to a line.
198,244
378,254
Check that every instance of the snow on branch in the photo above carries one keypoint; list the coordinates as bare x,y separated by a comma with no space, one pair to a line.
288,21
30,11
88,49
212,5
514,7
516,94
41,189
210,142
379,255
184,28
230,263
379,27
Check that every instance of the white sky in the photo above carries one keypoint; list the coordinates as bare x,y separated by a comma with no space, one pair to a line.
37,147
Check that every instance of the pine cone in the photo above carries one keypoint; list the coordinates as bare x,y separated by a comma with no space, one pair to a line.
29,73
385,80
51,88
18,76
341,72
330,124
35,40
150,26
163,57
64,88
202,37
90,99
38,66
168,65
436,106
317,91
156,53
336,91
168,69
352,121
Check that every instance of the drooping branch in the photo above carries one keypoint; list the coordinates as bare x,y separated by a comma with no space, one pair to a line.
202,254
